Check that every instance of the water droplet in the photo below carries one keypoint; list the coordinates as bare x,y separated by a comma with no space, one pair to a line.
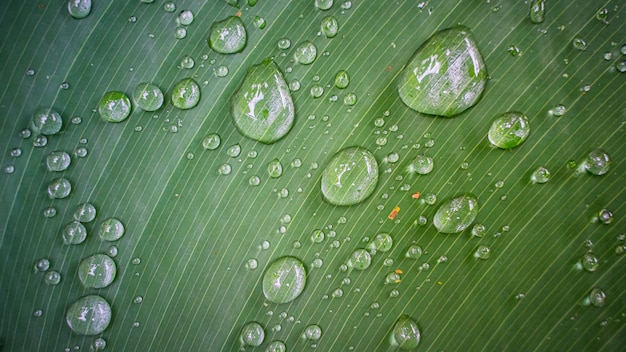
537,11
254,180
275,168
540,175
482,252
478,230
429,198
50,212
252,264
74,233
211,141
262,107
89,315
317,263
597,162
620,66
337,293
597,297
284,43
392,278
46,121
381,243
135,261
112,251
499,184
221,71
590,262
132,19
360,259
111,230
85,212
25,133
97,271
305,53
457,214
169,6
317,236
558,110
259,22
394,293
9,169
42,264
180,32
185,17
52,278
276,346
422,165
445,76
329,26
294,86
228,36
602,14
114,106
80,152
316,91
414,252
59,188
233,151
284,280
79,8
509,130
350,99
579,44
137,299
30,72
186,94
148,96
605,216
350,177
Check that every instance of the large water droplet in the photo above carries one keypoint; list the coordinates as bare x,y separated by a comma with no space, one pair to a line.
456,214
540,175
605,216
597,162
276,346
74,233
85,212
148,96
79,8
59,188
537,11
305,53
111,229
406,334
228,36
422,165
252,334
97,271
185,17
445,76
317,236
381,243
58,161
262,107
46,121
284,280
114,106
312,332
509,130
186,94
360,259
414,252
89,315
350,177
329,26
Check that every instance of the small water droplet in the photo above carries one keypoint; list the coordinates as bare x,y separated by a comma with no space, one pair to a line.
482,252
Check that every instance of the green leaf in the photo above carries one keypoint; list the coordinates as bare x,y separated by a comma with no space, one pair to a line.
184,275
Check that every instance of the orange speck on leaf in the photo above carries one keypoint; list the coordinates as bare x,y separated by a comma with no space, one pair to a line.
238,13
388,68
398,271
394,213
416,195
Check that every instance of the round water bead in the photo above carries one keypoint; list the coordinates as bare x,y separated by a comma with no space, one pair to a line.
329,26
52,278
342,80
111,229
478,230
99,344
114,106
509,130
360,259
422,165
252,334
42,264
350,177
284,44
228,36
317,236
74,233
381,243
597,162
259,22
58,161
85,212
186,94
456,214
540,175
275,168
148,96
185,17
89,315
597,297
59,188
305,53
276,346
537,11
414,252
590,262
406,334
284,280
482,252
350,99
79,9
46,121
211,142
605,216
97,271
323,4
312,332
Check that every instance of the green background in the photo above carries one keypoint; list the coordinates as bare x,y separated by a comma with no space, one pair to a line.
194,229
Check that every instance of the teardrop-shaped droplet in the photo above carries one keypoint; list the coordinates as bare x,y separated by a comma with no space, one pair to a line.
537,11
445,76
456,214
350,177
406,334
228,36
509,130
262,107
284,280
